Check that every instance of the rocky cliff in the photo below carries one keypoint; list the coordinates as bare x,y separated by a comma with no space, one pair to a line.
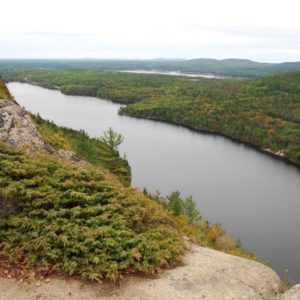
17,129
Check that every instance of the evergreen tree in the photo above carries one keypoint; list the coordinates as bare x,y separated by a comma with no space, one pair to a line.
112,138
191,211
175,203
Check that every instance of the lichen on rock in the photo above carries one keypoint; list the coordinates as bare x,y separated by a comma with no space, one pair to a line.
17,129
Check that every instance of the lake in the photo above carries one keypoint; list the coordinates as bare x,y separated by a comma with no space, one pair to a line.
176,73
255,197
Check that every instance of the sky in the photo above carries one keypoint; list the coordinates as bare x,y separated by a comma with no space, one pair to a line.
261,30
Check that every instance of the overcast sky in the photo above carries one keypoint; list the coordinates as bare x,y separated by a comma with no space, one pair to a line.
261,30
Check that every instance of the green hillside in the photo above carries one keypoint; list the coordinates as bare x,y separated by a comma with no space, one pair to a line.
80,219
92,150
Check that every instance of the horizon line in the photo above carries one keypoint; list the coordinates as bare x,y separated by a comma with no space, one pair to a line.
143,59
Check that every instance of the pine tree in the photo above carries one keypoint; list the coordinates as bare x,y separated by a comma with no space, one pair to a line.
112,138
191,211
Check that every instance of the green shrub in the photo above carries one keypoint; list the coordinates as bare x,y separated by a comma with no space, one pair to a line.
192,224
92,150
80,219
4,92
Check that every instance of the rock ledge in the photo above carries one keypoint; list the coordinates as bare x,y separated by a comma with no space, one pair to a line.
207,274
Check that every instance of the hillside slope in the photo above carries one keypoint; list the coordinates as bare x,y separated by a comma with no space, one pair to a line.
24,131
80,219
67,141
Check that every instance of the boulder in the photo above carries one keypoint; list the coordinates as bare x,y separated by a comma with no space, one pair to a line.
18,130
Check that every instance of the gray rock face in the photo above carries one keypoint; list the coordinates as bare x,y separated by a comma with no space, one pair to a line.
292,294
17,129
210,274
207,274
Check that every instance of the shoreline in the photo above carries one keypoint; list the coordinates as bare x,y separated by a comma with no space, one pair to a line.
198,130
208,132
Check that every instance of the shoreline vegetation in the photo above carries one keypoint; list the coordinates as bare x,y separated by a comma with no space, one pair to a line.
279,155
93,150
263,113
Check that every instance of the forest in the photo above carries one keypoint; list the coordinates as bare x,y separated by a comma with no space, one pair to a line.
263,112
226,67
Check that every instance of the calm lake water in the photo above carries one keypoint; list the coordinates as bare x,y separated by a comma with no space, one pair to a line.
175,73
255,196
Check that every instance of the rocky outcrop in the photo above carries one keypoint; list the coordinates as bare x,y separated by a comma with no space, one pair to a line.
292,294
17,129
207,274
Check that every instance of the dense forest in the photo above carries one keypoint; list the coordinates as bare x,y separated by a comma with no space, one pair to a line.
264,111
226,67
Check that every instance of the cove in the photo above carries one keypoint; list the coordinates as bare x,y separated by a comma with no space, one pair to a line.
255,196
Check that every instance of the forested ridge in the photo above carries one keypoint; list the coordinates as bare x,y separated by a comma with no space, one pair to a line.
264,112
225,67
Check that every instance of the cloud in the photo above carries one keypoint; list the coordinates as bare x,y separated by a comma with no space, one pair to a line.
252,29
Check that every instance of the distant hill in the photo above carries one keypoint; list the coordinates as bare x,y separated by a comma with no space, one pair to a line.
227,67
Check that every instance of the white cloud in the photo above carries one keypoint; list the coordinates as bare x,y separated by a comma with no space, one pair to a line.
147,29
